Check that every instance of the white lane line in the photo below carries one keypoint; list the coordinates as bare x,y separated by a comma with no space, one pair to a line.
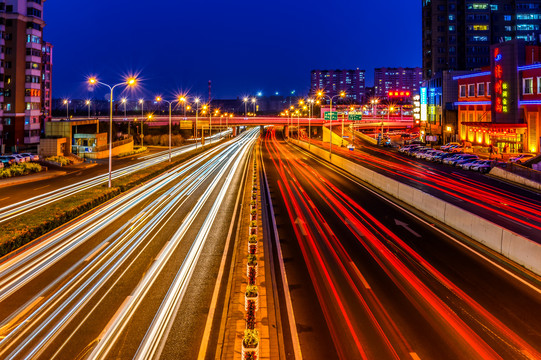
414,356
363,280
2,199
97,251
115,316
42,187
162,250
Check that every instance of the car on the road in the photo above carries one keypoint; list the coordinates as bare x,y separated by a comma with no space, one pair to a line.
32,157
521,158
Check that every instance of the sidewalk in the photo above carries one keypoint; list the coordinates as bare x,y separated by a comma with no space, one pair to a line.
44,175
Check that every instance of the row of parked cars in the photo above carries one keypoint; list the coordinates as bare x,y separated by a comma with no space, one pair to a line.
8,160
448,157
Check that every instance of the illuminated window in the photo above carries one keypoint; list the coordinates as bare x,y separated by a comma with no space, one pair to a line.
527,86
480,27
507,17
539,84
477,6
488,89
462,90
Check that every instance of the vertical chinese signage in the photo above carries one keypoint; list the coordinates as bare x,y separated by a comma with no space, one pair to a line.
424,104
505,59
417,109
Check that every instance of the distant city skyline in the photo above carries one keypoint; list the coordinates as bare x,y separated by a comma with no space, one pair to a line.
243,47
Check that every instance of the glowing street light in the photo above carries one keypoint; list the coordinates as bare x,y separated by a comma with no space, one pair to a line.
87,102
159,99
255,107
245,99
131,81
67,103
321,94
197,100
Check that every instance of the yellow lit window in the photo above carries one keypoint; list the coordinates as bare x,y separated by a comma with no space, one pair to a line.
480,27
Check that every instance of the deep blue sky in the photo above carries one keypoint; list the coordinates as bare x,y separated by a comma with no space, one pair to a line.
242,46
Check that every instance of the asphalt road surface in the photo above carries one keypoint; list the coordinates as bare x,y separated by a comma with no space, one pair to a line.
372,281
131,279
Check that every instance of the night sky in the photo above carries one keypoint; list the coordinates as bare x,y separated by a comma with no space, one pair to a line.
242,46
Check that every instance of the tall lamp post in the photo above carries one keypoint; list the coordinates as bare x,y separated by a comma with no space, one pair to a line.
245,106
255,106
321,94
131,81
311,101
182,99
197,100
67,103
142,102
88,104
159,99
124,101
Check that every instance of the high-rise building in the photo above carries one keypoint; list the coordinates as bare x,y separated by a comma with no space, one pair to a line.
46,78
393,79
335,81
21,71
457,34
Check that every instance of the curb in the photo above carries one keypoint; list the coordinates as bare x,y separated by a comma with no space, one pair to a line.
25,179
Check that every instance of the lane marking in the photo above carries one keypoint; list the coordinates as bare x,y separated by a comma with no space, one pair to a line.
162,250
4,198
358,272
43,187
97,251
414,356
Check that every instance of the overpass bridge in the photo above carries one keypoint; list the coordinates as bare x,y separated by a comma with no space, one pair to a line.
218,121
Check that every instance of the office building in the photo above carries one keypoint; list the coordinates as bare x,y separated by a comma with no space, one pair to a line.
46,85
332,82
21,73
457,35
397,79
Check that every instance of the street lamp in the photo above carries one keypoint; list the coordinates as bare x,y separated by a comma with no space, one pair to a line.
88,104
245,106
182,99
124,101
142,102
311,101
131,81
159,99
197,100
321,94
67,103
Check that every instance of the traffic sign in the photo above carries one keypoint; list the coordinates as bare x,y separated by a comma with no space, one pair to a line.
328,115
354,116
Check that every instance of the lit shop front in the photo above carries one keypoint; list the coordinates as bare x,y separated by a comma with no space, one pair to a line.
500,105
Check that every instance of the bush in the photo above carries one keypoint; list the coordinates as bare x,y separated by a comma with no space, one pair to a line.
59,160
19,170
251,338
129,153
252,260
251,290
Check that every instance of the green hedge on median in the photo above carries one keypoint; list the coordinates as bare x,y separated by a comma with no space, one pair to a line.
19,170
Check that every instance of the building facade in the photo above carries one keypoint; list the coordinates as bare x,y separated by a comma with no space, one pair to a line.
332,82
21,72
501,105
457,35
397,79
46,82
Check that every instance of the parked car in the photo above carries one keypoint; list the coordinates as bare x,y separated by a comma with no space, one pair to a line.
19,157
440,157
32,157
404,148
449,145
420,152
464,158
468,164
430,154
8,160
521,158
483,166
